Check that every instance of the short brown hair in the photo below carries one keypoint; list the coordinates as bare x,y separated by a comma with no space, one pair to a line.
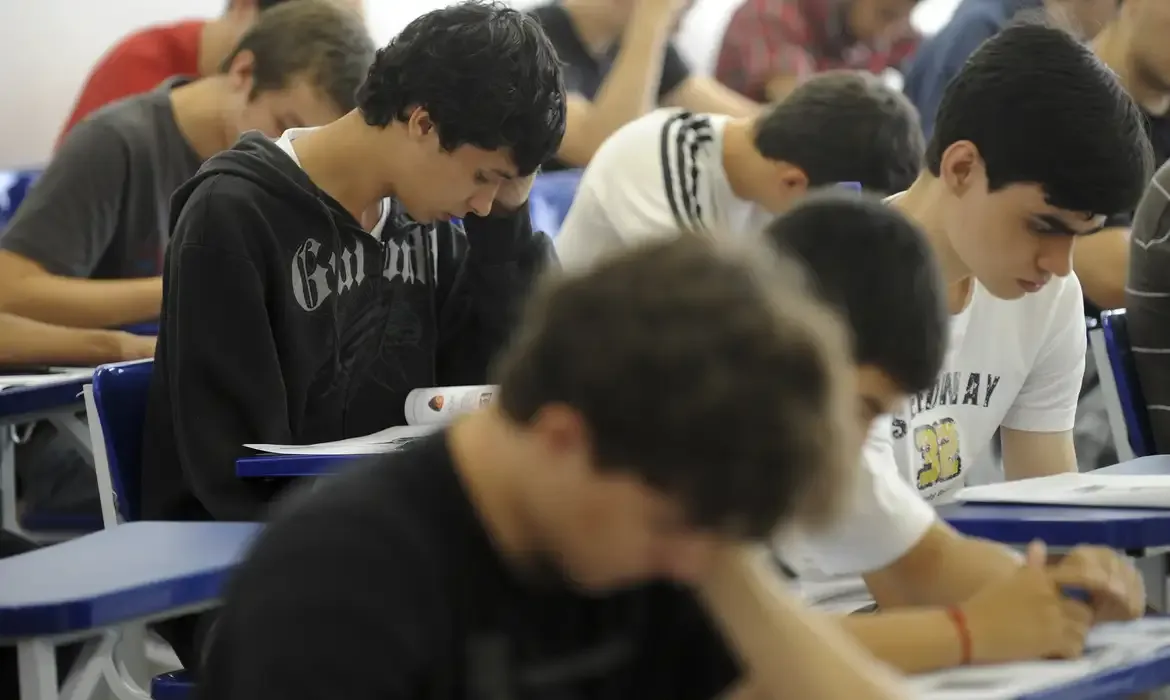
711,373
320,40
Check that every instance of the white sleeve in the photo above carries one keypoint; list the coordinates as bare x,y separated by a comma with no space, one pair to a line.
1047,402
621,200
882,519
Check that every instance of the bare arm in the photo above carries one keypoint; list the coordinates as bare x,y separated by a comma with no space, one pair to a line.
789,651
629,90
25,342
27,289
1030,454
700,93
944,568
1101,261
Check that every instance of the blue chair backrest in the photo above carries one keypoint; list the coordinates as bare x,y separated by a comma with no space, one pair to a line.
14,185
119,394
1129,391
549,201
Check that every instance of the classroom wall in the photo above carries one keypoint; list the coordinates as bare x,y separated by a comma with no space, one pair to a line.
48,46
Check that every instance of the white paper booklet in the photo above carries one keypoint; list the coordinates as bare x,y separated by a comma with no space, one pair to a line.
427,410
57,376
1102,490
1109,646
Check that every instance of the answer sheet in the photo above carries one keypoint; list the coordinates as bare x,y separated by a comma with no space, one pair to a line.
1110,646
387,440
64,375
1101,490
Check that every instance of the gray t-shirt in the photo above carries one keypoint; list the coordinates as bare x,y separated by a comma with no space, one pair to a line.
1147,302
102,207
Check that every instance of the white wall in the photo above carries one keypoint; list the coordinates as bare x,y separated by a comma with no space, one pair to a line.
48,46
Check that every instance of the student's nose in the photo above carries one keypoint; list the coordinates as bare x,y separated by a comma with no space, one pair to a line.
481,201
1056,254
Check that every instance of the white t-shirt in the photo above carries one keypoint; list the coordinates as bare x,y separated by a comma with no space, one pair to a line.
1016,364
656,175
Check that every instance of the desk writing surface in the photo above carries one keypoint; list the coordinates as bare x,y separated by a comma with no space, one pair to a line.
1062,526
124,573
285,466
1154,465
43,399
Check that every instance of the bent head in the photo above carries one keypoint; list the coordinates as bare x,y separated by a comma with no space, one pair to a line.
840,126
1022,177
673,398
477,91
299,65
874,267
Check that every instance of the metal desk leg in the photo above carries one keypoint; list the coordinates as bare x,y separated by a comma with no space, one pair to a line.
9,518
37,660
1155,567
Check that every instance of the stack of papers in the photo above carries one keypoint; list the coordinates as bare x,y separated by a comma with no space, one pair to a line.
61,376
1109,647
387,440
1102,490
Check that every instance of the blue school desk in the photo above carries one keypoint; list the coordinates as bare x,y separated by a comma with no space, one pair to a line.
267,466
57,403
90,586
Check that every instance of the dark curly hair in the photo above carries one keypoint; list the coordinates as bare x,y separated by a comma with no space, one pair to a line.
487,75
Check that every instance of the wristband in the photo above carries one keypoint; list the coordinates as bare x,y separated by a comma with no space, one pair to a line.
955,613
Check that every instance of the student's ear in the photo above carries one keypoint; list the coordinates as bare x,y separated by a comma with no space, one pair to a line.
563,436
420,126
960,167
241,70
792,180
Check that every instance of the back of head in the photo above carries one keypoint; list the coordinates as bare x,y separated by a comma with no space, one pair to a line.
317,40
712,375
845,126
1042,109
876,268
487,75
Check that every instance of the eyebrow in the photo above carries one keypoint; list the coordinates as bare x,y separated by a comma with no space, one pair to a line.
504,174
1058,226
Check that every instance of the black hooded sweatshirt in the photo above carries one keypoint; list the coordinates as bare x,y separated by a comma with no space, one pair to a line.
285,322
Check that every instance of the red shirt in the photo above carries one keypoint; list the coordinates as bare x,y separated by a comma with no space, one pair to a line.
769,38
136,64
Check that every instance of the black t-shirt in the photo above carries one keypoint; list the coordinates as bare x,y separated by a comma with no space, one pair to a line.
382,584
583,71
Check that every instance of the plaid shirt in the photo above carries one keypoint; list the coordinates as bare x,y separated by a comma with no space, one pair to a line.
770,38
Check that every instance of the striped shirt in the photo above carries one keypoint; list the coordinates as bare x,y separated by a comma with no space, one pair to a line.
655,176
1147,301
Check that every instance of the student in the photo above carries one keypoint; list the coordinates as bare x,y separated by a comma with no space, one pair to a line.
1148,304
941,56
673,169
1003,203
330,263
582,535
620,63
85,247
771,46
147,57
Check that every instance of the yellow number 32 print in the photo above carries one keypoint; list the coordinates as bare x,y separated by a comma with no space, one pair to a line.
938,446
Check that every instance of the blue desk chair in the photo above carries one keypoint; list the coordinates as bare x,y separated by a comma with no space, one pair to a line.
116,406
14,185
1124,402
552,195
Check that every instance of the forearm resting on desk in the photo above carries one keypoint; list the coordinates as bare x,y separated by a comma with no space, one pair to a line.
27,342
81,303
944,568
765,623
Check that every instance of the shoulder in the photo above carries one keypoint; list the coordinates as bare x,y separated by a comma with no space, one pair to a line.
151,45
666,139
130,120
